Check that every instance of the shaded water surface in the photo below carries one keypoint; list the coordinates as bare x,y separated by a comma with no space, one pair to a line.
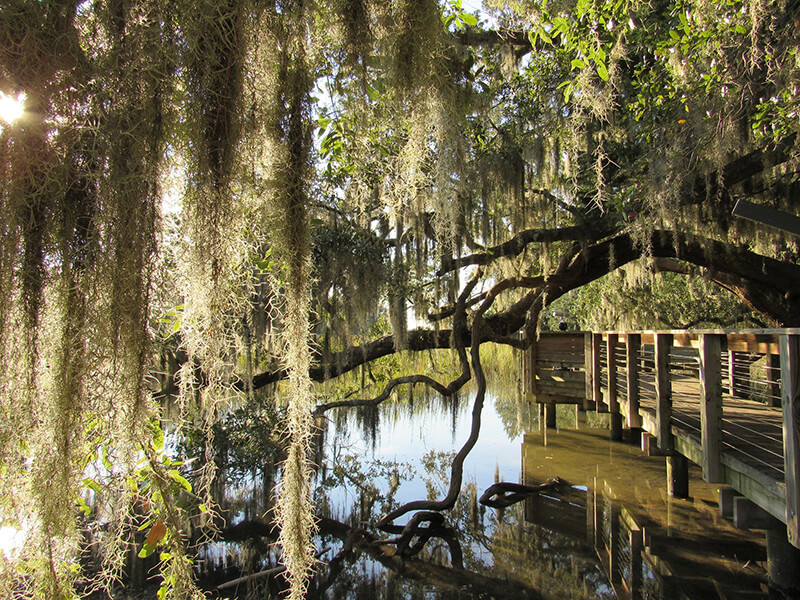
611,531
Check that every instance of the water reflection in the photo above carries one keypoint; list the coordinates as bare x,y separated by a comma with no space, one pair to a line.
371,461
650,545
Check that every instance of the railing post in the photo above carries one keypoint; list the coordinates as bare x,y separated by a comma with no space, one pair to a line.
613,400
531,370
790,396
597,392
632,346
588,369
663,343
711,406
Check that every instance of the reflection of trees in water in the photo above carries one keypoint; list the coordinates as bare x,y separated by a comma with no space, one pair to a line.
496,548
246,447
562,565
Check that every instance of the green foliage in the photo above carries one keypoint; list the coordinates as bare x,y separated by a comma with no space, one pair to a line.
245,442
649,301
454,15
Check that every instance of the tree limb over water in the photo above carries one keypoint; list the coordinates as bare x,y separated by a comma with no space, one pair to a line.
768,285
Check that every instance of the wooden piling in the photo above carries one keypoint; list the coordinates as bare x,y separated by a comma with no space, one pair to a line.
678,476
550,415
782,562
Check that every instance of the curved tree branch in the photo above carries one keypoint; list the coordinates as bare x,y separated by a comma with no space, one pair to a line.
457,466
460,322
516,245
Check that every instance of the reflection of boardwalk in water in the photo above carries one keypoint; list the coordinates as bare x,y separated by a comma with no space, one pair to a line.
651,545
727,401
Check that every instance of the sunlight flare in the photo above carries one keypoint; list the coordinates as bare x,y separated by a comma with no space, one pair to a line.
12,107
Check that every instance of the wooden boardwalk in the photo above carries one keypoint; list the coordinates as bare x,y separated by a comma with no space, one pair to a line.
727,400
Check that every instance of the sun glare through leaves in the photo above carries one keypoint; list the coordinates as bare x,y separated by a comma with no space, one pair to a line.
11,107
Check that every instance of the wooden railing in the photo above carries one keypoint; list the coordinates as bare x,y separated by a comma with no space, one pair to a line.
727,400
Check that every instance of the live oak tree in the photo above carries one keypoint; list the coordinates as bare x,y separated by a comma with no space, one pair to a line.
259,187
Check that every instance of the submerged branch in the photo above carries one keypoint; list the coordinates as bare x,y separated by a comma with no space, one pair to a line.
504,494
457,467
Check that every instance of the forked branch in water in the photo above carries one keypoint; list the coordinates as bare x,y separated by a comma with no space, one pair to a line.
457,468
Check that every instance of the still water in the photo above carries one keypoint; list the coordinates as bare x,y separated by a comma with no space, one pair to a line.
610,530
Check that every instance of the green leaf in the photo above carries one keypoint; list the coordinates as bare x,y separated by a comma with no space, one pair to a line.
104,458
83,507
145,525
92,485
469,19
542,33
174,474
578,64
568,88
146,551
158,437
602,71
560,25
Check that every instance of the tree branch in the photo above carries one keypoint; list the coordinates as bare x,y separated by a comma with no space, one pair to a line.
516,245
459,322
767,285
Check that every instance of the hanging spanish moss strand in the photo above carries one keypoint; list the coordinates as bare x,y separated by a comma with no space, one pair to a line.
211,266
294,510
